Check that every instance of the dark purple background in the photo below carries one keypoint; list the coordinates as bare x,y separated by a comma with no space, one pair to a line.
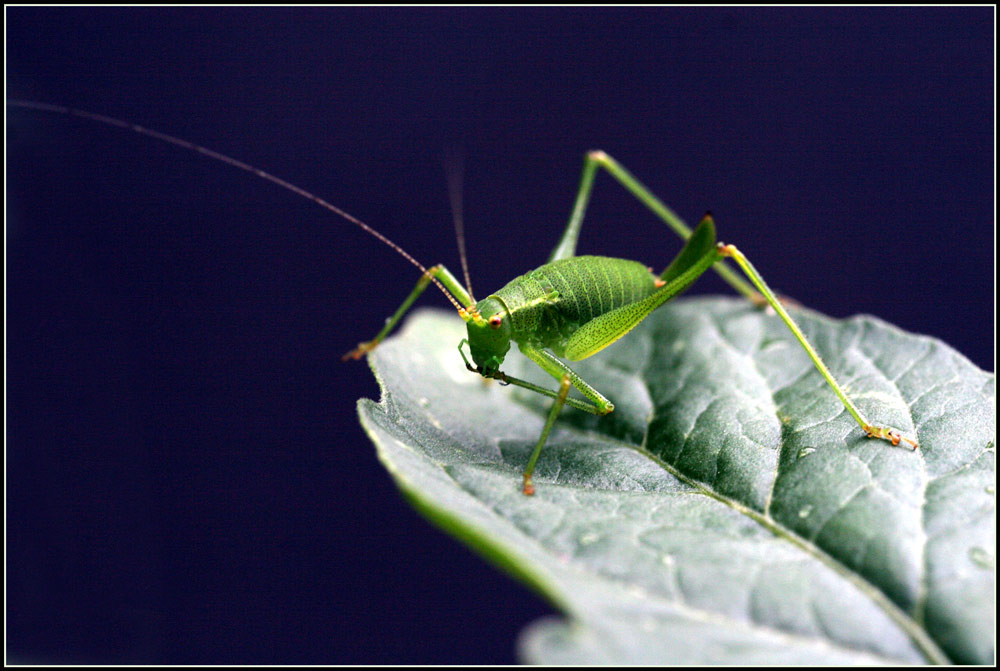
187,481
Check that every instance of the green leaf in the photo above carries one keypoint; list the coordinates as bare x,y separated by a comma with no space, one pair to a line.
729,511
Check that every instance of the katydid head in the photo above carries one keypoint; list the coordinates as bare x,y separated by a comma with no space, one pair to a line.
489,335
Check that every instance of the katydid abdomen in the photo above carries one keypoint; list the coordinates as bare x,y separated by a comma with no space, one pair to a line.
549,304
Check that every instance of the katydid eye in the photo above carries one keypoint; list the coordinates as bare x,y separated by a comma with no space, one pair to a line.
495,321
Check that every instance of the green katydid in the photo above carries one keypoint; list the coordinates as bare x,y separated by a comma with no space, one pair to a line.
575,306
571,307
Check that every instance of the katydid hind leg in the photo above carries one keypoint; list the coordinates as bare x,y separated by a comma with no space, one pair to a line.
599,159
692,261
890,434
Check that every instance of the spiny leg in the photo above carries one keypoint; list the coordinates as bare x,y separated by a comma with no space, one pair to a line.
598,159
885,433
444,276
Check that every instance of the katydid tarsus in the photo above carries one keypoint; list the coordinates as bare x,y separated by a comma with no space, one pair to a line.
571,307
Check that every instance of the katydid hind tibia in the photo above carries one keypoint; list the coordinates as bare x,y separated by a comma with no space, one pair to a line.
569,308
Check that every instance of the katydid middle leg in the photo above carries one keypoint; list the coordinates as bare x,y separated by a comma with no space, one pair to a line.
597,403
564,385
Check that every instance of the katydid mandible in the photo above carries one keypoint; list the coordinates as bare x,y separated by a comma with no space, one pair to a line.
572,307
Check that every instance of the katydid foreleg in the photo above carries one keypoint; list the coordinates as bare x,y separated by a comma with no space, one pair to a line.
458,294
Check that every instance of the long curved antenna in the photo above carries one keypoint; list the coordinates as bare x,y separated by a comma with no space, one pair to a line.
453,168
170,139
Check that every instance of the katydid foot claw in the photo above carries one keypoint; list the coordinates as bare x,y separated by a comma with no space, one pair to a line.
892,435
360,350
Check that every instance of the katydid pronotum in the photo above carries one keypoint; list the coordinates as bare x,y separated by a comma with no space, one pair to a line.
571,307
